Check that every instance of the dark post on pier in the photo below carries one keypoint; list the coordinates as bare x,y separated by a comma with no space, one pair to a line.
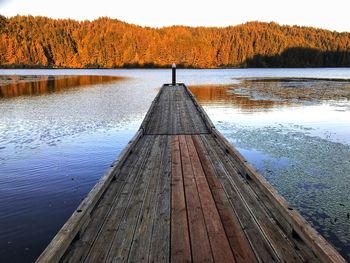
174,74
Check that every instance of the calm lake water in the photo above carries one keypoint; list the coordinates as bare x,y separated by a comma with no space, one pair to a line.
61,129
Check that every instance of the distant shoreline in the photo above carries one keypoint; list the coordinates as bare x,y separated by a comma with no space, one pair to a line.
155,67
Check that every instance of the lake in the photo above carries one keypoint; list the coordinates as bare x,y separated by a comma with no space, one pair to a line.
61,129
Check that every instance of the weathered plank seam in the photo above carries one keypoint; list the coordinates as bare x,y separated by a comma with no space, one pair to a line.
138,176
250,212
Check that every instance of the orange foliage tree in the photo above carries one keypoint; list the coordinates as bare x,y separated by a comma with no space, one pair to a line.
108,43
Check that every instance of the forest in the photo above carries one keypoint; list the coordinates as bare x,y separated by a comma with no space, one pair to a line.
41,42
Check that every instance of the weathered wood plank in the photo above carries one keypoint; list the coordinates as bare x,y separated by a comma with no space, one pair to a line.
175,113
141,242
204,116
180,239
102,244
284,247
240,246
320,247
258,240
218,240
200,245
80,248
155,121
160,243
183,122
279,220
122,241
61,242
145,125
195,118
170,119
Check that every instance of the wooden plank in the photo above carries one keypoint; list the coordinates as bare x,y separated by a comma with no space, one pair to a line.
303,249
101,246
186,119
239,244
155,120
170,119
103,210
182,119
159,118
203,125
281,244
218,240
145,125
207,121
168,113
257,239
198,125
175,113
141,242
320,247
180,239
61,242
123,238
200,245
284,246
160,243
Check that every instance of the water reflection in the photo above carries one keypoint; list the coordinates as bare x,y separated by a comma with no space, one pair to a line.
224,95
54,148
14,86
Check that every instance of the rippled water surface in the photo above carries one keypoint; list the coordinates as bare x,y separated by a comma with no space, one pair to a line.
61,129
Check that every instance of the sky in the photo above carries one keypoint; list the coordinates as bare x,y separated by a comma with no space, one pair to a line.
332,15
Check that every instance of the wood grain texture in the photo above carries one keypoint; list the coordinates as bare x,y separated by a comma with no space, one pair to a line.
77,223
200,244
104,209
217,237
239,244
180,236
257,238
175,113
121,208
160,243
141,240
123,238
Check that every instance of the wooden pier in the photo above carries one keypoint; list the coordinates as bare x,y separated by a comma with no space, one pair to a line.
180,192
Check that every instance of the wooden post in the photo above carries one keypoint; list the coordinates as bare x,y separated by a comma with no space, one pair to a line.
174,74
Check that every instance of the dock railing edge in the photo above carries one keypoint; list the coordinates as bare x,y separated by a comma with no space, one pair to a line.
319,245
201,111
151,108
80,217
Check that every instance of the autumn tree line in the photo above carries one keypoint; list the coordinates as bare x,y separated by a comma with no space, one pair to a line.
27,41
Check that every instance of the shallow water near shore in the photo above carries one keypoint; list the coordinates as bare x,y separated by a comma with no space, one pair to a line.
57,139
